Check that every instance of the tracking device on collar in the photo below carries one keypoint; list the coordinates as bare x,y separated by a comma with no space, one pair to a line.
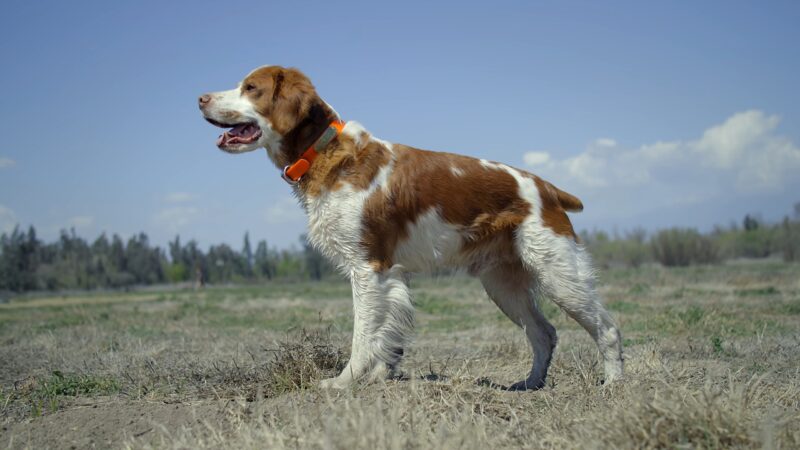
294,172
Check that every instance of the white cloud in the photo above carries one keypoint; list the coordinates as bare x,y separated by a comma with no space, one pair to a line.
747,145
81,221
605,142
8,220
745,150
743,156
285,210
178,197
536,158
6,162
174,218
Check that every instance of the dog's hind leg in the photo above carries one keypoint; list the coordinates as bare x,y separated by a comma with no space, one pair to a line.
513,289
564,270
383,319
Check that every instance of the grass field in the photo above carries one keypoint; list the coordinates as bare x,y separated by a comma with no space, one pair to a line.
712,359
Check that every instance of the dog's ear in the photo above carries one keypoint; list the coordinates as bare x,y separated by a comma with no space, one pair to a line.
293,95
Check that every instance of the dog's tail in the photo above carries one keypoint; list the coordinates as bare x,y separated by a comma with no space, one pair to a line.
552,194
568,201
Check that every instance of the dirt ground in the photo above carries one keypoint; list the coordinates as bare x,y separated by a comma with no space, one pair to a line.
711,362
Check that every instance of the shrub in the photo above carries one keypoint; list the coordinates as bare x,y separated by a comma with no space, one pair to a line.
683,246
789,240
753,243
630,251
176,272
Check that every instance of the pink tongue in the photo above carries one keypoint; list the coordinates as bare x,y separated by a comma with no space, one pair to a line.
238,130
239,134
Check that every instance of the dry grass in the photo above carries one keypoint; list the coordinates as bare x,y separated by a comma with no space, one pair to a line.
711,357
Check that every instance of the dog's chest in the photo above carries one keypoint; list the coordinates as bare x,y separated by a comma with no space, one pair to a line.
335,224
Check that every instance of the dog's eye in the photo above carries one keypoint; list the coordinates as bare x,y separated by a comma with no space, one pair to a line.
249,88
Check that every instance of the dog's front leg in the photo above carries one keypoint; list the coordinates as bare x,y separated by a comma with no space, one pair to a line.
383,319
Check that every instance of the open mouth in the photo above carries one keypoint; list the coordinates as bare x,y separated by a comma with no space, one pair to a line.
240,133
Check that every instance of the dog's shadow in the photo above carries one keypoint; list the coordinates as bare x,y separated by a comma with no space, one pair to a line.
502,387
431,377
438,378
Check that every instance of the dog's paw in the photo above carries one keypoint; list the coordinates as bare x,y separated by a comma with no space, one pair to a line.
334,383
527,385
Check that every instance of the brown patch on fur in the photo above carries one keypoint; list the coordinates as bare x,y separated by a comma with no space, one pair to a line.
483,202
345,161
288,100
493,251
553,214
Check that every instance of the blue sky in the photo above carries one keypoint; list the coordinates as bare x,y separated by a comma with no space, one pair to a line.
655,114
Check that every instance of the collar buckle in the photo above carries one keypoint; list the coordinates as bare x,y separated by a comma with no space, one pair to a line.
286,177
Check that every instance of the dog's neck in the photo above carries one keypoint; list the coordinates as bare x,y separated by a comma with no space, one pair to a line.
305,133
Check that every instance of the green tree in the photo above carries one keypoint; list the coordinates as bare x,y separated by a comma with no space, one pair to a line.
247,256
265,262
16,263
144,263
683,246
317,265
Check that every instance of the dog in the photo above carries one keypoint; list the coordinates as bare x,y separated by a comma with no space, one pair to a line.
381,211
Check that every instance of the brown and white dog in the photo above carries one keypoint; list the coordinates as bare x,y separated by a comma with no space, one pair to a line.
380,210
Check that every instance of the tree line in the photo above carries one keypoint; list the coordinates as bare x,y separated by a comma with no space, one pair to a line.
27,263
687,246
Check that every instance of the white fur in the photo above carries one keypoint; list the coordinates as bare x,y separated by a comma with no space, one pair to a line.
382,308
565,275
357,132
489,164
383,318
432,243
225,104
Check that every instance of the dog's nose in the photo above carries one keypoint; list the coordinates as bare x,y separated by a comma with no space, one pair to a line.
204,99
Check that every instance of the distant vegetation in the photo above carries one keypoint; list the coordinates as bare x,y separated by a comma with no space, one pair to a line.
687,246
27,263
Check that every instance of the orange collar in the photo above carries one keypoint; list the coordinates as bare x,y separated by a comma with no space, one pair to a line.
293,172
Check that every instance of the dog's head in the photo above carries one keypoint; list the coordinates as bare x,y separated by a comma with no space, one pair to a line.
273,107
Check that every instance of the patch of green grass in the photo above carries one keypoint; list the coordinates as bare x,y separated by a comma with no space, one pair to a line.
61,321
792,307
623,306
74,385
639,289
549,309
678,293
145,330
275,319
692,319
43,396
434,304
716,344
282,289
692,315
453,323
769,290
629,342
